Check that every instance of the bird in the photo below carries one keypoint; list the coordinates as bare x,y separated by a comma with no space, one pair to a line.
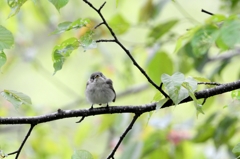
99,90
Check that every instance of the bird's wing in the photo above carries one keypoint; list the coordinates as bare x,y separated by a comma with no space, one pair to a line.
87,83
110,83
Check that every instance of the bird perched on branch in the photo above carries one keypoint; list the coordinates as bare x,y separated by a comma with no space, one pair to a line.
99,90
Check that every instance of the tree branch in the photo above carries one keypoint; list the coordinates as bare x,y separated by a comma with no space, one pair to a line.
23,142
123,135
210,83
121,45
206,93
207,12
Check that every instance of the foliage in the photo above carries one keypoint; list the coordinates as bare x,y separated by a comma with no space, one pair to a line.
166,133
16,98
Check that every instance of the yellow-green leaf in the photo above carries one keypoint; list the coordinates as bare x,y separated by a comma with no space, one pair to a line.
16,98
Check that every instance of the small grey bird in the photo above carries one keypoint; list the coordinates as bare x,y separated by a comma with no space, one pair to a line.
99,90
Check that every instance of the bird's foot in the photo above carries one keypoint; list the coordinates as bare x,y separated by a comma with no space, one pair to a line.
91,107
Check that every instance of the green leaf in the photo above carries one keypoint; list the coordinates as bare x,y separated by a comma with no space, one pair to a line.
16,98
236,94
158,64
229,34
62,51
161,29
182,40
6,38
81,154
176,84
216,18
191,88
58,3
66,26
173,85
3,58
80,23
203,39
119,24
87,42
161,103
236,148
62,27
15,6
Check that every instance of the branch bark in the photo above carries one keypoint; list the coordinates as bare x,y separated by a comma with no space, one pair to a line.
206,93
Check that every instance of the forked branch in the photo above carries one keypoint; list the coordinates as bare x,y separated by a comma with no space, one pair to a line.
123,135
123,47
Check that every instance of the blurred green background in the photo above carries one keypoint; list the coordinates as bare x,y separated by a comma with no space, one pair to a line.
171,133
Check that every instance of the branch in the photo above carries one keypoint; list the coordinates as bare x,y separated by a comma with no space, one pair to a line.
104,40
204,11
123,135
98,25
24,141
206,93
210,83
121,45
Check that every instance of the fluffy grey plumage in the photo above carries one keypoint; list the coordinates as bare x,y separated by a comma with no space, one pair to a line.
99,90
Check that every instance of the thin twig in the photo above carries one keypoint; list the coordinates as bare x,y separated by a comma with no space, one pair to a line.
81,119
98,25
25,139
12,153
210,83
204,11
103,40
126,50
204,101
123,135
99,10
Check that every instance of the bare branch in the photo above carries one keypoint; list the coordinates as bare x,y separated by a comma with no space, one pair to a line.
99,10
204,101
210,83
123,135
103,40
204,11
25,139
98,25
206,93
12,153
23,142
81,119
126,50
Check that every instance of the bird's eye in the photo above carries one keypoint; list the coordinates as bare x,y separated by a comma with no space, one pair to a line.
96,76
